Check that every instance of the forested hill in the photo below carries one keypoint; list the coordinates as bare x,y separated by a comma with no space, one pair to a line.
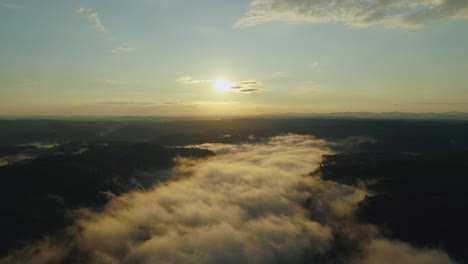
418,199
37,194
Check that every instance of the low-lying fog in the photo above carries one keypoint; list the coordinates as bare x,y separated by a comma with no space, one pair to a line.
251,203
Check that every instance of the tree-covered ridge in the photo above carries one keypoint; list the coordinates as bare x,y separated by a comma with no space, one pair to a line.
37,194
421,200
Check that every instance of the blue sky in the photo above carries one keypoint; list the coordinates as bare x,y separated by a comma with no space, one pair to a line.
185,57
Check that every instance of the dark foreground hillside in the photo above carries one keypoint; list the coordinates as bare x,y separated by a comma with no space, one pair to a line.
37,195
421,200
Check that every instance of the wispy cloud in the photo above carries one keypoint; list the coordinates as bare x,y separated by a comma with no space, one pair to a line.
239,86
123,48
8,160
122,103
9,5
281,74
313,65
247,86
107,81
354,13
92,17
190,80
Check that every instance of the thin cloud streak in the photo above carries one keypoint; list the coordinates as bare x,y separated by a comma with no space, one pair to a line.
354,13
123,48
122,103
10,5
92,17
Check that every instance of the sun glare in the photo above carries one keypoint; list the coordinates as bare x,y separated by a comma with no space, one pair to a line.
223,85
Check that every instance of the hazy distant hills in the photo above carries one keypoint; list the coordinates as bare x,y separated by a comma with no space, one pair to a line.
383,115
339,115
399,135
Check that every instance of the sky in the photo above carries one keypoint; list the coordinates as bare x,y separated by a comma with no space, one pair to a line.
243,57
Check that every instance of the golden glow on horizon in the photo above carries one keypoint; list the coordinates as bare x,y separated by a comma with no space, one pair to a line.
223,85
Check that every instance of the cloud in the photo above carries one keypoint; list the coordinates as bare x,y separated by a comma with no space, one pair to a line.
122,48
8,160
41,145
11,159
9,5
92,17
239,87
249,83
41,252
248,90
313,65
246,86
281,74
354,13
240,207
127,103
252,203
95,20
107,81
388,252
190,80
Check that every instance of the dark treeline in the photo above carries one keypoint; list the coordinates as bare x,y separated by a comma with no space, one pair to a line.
421,136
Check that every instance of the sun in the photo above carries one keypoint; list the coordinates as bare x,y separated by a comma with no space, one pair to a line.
223,85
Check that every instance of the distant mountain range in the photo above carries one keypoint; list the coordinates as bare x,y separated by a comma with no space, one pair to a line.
336,115
382,115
